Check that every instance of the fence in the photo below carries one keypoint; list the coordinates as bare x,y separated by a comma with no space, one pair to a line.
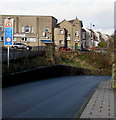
18,54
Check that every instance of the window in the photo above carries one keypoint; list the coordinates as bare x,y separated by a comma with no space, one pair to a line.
60,43
24,39
68,38
84,35
46,29
44,34
61,32
14,39
27,29
31,40
76,33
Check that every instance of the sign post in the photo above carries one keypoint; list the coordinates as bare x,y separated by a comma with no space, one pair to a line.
8,35
8,56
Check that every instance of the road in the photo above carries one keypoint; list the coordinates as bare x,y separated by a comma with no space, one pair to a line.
51,98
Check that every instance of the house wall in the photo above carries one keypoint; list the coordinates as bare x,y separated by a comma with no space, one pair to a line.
37,27
77,28
68,27
59,37
72,28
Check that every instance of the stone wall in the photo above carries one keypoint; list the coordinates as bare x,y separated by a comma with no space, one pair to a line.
43,73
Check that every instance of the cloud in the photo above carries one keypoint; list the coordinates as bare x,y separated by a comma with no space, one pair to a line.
95,11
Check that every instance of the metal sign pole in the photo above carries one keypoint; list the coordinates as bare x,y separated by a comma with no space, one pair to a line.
8,57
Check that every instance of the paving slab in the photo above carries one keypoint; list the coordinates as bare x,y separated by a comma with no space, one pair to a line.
101,104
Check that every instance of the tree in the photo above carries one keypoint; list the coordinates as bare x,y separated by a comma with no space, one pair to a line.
103,44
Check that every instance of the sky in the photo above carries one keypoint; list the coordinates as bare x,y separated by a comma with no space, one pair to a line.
97,12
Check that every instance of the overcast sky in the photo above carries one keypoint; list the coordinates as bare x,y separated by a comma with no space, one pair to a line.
98,12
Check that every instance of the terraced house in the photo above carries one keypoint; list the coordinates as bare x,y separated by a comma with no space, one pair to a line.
40,31
44,30
32,30
91,39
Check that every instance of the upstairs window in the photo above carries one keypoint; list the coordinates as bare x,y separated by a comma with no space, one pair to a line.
46,29
84,35
27,29
61,32
76,34
68,38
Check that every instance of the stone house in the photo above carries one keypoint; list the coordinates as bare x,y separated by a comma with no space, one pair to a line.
33,30
60,37
73,32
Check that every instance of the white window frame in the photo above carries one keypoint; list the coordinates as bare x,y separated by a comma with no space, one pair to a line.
76,33
61,32
84,35
30,29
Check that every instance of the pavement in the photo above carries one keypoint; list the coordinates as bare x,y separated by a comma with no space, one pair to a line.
101,104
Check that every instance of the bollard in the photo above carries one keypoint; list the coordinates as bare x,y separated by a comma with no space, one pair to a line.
113,83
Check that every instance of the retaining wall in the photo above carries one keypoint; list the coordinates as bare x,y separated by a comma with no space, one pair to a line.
42,73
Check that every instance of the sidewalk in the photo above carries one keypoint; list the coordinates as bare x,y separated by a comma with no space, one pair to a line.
101,104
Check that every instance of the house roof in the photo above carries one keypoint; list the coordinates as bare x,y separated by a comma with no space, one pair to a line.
83,30
62,22
91,30
70,21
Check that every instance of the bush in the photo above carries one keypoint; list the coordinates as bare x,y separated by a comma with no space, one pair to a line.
103,44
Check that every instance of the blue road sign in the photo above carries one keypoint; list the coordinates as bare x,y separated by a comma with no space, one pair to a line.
8,32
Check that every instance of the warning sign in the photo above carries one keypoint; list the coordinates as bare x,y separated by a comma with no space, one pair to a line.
8,31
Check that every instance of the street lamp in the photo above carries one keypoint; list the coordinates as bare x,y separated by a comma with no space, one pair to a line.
91,25
92,34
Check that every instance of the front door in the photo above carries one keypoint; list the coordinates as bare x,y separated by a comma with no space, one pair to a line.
76,46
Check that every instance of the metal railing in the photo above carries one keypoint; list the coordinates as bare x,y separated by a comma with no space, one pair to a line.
21,53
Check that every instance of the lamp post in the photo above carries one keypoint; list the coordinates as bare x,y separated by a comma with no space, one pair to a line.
91,25
92,34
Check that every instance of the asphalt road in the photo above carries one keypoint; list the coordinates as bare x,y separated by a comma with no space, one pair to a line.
52,98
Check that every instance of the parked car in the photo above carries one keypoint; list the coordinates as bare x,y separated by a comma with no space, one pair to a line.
21,46
86,50
66,49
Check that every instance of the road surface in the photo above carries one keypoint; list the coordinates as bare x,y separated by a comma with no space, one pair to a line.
51,98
